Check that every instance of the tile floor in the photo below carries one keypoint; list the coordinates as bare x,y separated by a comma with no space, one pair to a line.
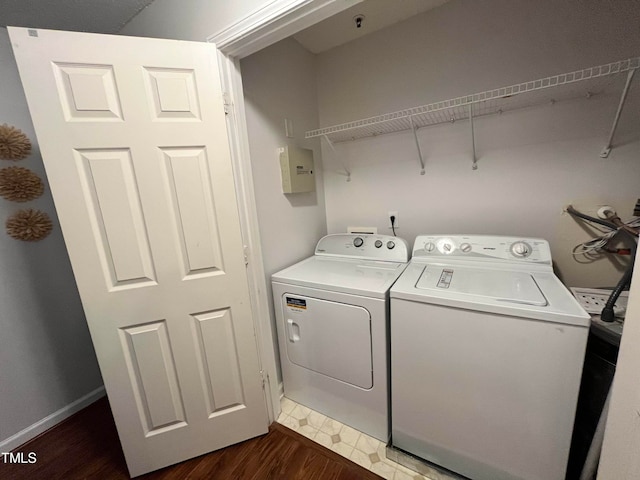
352,444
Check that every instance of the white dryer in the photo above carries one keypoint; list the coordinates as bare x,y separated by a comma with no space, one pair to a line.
487,348
332,313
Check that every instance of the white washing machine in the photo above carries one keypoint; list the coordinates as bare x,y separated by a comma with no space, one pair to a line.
487,347
332,313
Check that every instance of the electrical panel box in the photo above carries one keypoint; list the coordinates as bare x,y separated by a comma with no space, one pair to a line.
296,167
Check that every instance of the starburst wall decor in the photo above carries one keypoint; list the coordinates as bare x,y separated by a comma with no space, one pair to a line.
29,225
14,145
19,184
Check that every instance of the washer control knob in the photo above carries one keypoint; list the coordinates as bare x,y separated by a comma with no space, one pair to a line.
429,246
391,245
447,247
357,242
465,247
521,249
378,243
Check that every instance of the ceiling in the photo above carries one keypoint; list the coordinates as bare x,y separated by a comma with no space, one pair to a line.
109,16
378,14
97,16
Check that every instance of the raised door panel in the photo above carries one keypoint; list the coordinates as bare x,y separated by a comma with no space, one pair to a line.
173,94
151,367
115,213
219,362
187,172
88,92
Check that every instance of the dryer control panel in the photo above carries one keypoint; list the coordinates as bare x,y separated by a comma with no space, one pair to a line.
483,247
363,246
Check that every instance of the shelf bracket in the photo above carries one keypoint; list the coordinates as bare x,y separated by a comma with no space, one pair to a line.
474,165
347,172
415,137
607,149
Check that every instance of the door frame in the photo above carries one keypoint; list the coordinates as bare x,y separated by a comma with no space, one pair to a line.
265,26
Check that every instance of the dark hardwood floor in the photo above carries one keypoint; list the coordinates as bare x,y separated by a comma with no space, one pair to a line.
86,446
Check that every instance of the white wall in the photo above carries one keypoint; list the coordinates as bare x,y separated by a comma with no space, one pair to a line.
531,163
280,82
46,354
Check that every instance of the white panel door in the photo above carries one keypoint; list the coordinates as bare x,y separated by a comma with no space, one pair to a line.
133,137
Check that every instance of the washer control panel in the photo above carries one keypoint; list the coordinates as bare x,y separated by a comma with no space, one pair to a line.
370,247
480,247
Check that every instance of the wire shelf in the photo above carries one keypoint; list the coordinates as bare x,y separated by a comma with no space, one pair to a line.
578,84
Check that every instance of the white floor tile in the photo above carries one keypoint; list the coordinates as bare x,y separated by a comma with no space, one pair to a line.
291,423
282,417
382,453
401,475
349,435
360,458
367,444
316,419
287,405
323,439
407,471
308,431
384,470
300,412
342,448
331,426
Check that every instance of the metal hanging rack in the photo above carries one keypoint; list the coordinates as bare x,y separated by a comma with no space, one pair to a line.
581,83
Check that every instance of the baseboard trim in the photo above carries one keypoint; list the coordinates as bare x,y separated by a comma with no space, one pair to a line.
46,423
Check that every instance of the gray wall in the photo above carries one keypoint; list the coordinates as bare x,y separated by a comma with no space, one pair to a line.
532,162
280,82
189,19
46,354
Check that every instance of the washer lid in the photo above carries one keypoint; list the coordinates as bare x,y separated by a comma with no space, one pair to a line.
368,278
518,293
502,286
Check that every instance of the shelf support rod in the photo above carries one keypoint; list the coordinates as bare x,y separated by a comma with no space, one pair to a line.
415,136
474,165
347,172
607,149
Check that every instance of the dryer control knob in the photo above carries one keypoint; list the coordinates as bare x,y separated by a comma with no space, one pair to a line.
521,249
378,243
390,245
357,242
465,247
429,246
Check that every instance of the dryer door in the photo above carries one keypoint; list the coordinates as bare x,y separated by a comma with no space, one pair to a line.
330,338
